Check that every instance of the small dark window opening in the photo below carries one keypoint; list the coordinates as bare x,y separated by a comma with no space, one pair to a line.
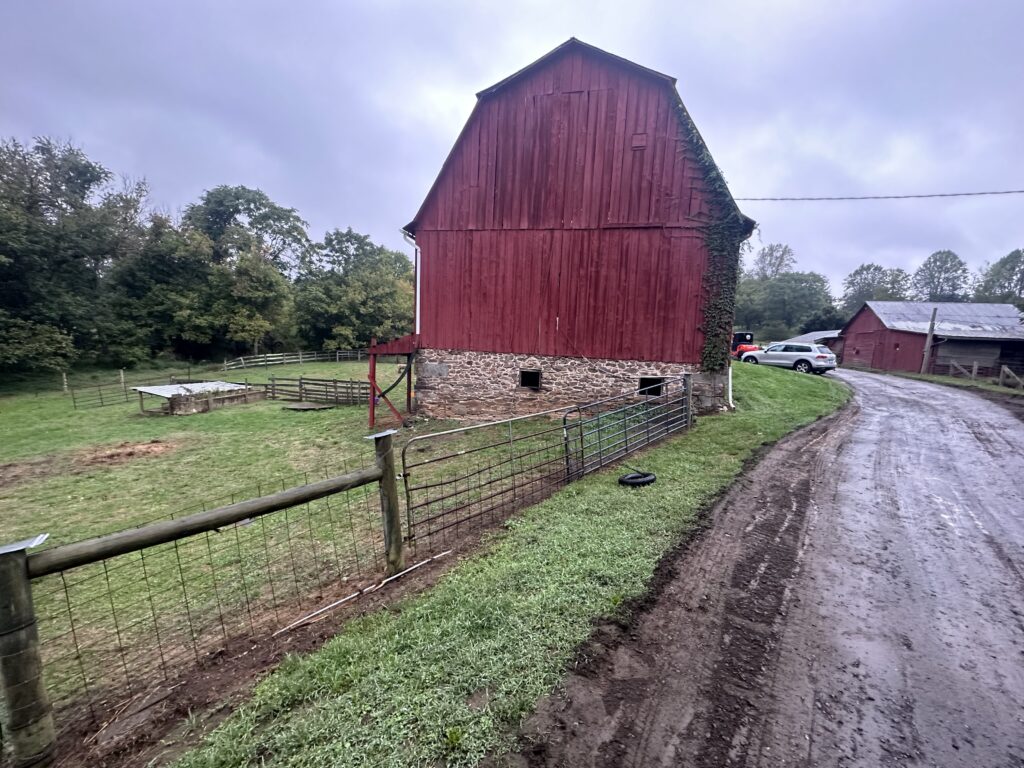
529,379
651,385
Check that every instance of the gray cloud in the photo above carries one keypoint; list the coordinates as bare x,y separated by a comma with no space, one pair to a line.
346,110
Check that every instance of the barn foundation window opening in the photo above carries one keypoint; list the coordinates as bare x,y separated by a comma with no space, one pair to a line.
651,385
529,379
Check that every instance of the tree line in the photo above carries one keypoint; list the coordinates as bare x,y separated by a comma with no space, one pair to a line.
776,302
90,274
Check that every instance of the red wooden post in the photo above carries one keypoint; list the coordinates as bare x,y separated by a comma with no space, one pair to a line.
373,380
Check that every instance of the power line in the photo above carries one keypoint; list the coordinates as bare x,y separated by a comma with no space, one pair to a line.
881,197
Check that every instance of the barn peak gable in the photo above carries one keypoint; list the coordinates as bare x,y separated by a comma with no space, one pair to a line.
580,138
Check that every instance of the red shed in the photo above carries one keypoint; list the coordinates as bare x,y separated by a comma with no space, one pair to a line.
890,336
563,250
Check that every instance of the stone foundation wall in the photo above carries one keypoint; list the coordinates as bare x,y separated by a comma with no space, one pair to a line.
461,384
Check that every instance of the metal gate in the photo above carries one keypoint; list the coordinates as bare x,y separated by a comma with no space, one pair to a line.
463,479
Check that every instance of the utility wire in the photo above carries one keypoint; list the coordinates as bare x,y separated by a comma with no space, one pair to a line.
881,197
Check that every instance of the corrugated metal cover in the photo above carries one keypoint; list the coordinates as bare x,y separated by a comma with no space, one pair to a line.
815,336
958,320
195,388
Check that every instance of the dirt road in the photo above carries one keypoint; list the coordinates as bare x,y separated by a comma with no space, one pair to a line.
858,601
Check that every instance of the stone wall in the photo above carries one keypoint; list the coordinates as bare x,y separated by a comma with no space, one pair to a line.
461,384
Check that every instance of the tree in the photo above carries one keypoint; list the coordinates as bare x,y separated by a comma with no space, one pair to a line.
771,261
793,296
353,290
238,220
1003,281
942,277
32,346
61,230
749,304
871,282
827,319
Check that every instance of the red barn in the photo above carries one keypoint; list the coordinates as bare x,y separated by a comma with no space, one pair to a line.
890,336
578,237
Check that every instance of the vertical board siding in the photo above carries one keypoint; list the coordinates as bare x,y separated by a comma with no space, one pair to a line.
566,221
867,342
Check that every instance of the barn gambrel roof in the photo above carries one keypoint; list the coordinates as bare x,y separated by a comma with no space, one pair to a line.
578,45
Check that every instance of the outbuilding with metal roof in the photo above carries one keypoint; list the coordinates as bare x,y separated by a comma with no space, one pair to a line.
891,335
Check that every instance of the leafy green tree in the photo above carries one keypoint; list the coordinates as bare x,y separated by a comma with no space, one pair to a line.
749,304
942,277
29,346
352,290
826,319
240,220
771,261
872,282
61,229
1003,281
260,306
791,297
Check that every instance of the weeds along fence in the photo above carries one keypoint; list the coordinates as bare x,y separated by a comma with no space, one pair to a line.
114,623
462,479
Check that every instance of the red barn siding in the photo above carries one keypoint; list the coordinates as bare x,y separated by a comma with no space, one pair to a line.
564,222
868,343
617,294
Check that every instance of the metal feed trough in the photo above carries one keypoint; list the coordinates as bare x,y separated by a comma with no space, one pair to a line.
197,397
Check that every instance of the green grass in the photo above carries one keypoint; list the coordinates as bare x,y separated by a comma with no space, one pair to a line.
952,381
212,456
447,676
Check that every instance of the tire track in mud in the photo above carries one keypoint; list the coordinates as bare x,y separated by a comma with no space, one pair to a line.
680,686
856,601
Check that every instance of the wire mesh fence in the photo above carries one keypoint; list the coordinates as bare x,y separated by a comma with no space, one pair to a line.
463,479
117,630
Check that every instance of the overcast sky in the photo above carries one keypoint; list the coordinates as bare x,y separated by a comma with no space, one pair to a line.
346,110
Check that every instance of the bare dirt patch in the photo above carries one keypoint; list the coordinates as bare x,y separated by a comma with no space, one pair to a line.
42,467
121,453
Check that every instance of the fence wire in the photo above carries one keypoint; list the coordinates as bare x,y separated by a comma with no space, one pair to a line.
463,479
116,631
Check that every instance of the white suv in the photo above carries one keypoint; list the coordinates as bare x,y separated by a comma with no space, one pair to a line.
805,358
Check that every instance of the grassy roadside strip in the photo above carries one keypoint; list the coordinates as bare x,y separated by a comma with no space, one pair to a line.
951,381
447,676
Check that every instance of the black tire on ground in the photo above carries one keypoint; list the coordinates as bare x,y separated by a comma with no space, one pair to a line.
637,479
750,359
802,366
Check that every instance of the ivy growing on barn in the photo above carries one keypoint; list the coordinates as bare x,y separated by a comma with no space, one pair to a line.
722,238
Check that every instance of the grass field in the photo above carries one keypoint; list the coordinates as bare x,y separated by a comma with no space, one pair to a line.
447,676
62,471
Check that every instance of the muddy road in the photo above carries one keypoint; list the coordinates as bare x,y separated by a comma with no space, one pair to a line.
858,601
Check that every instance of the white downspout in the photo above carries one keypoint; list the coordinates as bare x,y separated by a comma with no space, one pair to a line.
416,273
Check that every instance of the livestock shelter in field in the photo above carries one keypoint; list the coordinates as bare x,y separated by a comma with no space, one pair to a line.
578,239
184,399
890,336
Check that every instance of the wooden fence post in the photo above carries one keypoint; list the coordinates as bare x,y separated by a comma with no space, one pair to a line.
974,370
124,387
64,379
30,720
389,509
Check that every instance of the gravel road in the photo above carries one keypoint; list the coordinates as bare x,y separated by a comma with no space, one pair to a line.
857,601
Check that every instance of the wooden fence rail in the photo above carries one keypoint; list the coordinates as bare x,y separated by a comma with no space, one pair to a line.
337,391
30,725
290,358
1008,378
